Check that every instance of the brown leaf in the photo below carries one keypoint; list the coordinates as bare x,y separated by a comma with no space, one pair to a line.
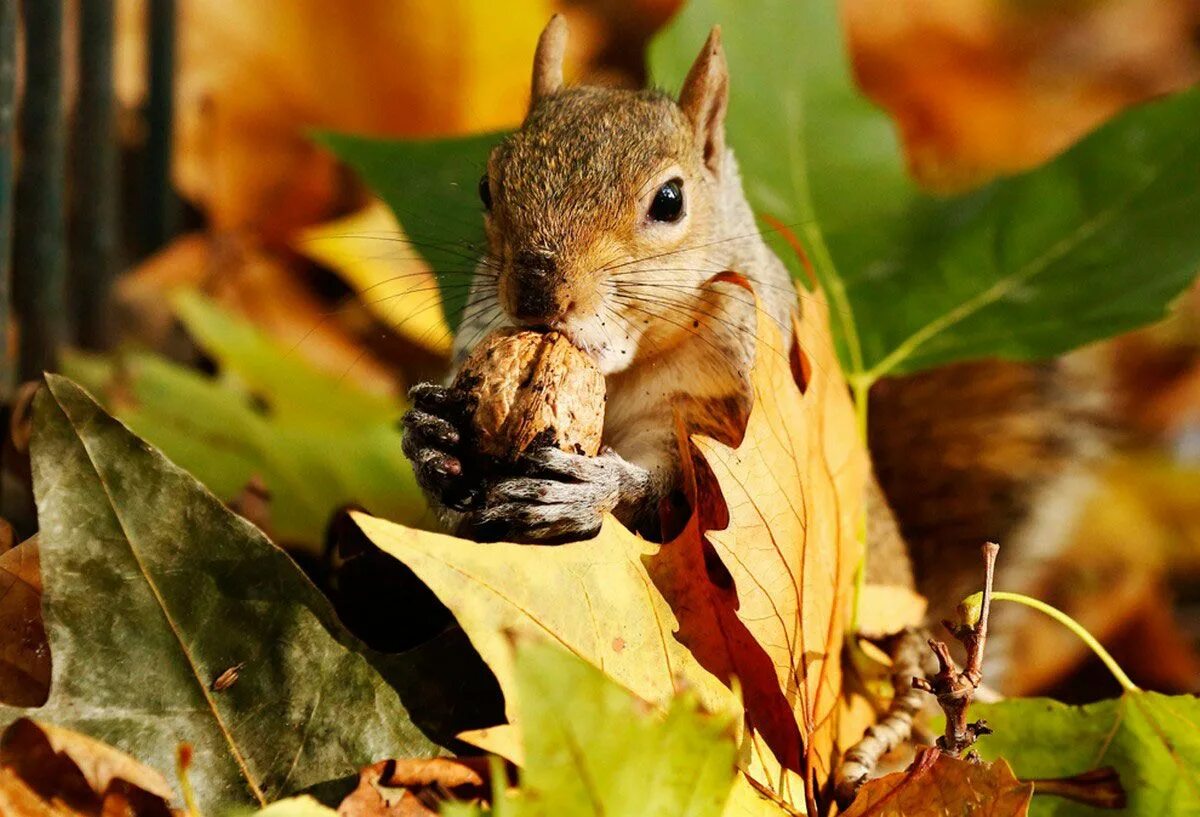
940,786
24,650
73,774
414,788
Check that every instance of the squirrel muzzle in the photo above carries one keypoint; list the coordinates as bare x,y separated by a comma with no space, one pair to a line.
534,290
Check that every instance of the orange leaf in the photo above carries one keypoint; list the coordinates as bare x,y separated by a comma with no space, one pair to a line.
940,786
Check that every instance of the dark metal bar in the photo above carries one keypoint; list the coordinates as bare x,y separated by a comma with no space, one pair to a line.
39,264
161,207
94,183
8,102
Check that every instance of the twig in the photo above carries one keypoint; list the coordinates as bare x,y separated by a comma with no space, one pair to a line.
861,760
955,690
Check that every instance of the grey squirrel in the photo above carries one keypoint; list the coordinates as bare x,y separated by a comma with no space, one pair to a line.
608,213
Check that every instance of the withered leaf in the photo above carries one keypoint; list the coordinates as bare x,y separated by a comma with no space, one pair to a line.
24,650
414,787
71,773
940,786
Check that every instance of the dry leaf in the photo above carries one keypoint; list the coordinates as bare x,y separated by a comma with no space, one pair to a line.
940,786
372,255
794,490
414,788
764,604
886,609
73,774
24,650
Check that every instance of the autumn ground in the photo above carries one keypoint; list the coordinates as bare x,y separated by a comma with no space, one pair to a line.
266,351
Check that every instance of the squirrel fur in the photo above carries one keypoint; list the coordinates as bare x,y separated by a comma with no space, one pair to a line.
573,245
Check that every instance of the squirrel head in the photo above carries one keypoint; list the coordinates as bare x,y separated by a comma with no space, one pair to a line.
600,208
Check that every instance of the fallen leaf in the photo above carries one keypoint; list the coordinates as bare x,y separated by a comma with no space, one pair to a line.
650,616
414,787
82,776
371,253
1151,740
940,786
24,651
188,590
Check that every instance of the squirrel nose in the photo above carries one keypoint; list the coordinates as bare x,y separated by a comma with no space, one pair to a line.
536,289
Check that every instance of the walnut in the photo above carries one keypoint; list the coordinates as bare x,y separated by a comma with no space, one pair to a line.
524,386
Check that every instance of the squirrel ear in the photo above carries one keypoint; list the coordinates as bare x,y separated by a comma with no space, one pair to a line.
548,59
704,97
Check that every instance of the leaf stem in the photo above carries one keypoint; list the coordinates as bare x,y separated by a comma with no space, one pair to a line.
861,389
1078,629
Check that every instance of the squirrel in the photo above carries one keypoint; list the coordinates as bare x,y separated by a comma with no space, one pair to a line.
608,214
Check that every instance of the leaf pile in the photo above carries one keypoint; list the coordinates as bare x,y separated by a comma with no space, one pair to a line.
653,617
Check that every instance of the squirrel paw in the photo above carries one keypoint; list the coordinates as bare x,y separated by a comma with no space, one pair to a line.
558,497
431,442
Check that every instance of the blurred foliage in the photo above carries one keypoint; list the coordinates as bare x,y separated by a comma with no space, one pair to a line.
316,442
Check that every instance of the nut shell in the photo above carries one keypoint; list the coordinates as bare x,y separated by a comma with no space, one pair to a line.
525,385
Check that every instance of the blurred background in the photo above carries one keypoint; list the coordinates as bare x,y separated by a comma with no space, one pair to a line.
172,237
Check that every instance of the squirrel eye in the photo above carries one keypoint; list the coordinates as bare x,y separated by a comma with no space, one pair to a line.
668,202
485,192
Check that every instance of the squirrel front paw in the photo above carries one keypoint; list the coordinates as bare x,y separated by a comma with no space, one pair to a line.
555,497
432,442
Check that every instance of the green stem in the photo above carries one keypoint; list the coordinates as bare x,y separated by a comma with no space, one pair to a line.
1075,627
861,390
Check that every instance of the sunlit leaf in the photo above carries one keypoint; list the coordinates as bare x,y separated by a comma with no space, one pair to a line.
650,616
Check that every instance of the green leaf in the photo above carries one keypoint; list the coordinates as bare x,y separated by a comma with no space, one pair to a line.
593,748
432,187
1096,242
317,442
1152,740
153,589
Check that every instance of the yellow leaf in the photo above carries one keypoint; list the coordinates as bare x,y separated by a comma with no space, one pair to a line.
594,598
794,490
886,609
652,617
369,251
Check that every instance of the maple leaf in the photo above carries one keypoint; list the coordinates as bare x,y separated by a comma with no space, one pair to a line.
779,513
